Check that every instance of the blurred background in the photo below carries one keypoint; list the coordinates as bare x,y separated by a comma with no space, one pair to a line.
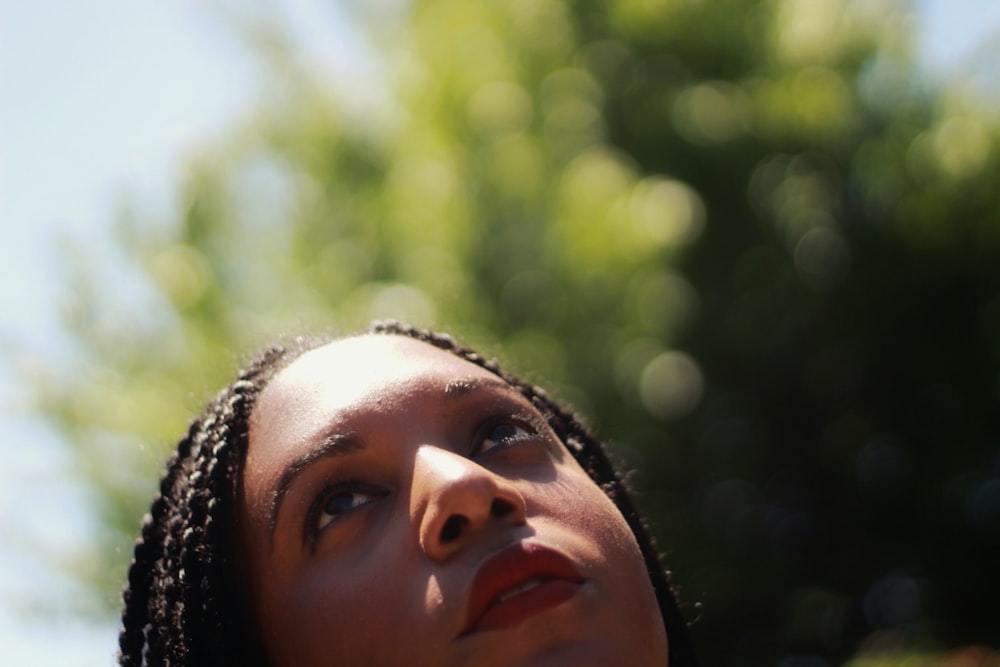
756,242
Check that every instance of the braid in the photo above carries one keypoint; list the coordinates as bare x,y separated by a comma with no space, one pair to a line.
177,609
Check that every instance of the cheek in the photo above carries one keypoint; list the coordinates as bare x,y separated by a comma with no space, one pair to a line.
578,504
572,511
323,617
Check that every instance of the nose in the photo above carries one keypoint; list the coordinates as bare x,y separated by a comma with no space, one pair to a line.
455,498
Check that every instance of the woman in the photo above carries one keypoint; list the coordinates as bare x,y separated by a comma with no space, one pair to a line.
393,499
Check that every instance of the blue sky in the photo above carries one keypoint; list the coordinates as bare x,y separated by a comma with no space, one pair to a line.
106,98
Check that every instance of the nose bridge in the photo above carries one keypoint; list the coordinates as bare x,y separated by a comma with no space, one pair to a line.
438,466
447,482
454,497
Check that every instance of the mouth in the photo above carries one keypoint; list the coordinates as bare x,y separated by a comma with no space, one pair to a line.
517,583
517,590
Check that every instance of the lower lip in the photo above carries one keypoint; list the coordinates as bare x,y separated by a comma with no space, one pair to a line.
524,605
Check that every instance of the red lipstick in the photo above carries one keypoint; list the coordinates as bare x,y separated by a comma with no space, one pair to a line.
519,582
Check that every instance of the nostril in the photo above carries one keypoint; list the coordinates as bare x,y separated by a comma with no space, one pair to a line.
452,528
456,524
500,508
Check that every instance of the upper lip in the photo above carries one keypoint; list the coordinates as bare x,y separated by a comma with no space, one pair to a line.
512,567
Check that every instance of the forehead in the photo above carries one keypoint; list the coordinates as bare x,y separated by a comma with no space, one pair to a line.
351,373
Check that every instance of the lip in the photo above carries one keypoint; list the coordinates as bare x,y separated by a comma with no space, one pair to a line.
548,578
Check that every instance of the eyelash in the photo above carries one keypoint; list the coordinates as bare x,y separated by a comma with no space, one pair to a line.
525,431
340,490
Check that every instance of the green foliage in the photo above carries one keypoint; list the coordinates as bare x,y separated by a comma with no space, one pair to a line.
972,656
739,235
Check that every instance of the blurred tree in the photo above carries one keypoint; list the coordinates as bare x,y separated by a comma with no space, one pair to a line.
740,235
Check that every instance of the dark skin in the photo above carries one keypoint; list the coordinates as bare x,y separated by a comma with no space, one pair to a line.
383,476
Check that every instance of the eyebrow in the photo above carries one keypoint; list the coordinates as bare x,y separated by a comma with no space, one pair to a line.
332,445
463,386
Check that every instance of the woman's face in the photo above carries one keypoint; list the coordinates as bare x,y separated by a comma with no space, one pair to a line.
402,506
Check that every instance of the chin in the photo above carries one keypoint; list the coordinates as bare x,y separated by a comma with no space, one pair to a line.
580,654
551,643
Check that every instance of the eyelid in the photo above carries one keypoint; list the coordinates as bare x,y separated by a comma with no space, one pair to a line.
532,424
312,530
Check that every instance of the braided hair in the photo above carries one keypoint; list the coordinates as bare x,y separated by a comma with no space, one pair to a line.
182,603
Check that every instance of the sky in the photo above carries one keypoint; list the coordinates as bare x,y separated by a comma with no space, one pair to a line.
105,99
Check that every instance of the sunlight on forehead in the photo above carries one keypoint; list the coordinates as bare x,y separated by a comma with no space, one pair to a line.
360,366
346,375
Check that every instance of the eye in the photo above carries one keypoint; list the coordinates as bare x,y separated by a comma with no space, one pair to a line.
501,434
342,499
